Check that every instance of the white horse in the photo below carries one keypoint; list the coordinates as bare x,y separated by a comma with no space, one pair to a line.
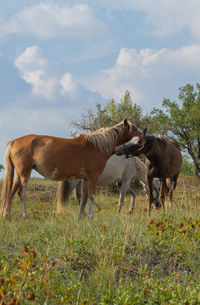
118,170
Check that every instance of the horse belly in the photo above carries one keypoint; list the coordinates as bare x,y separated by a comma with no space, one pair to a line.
47,172
57,169
105,180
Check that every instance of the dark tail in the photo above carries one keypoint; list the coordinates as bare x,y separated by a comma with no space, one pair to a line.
64,190
170,185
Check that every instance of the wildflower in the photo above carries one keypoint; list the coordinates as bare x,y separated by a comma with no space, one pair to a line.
151,221
31,296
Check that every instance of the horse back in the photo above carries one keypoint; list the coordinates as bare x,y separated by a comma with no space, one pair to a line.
171,158
56,158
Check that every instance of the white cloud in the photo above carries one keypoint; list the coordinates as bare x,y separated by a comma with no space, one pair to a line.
47,20
166,16
148,74
68,83
31,59
169,17
34,70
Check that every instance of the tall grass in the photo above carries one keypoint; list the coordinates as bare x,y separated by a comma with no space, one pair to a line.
114,259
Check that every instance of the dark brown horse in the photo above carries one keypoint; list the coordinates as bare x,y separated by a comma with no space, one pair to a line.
164,161
60,159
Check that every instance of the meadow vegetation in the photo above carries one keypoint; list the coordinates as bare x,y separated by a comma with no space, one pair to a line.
115,259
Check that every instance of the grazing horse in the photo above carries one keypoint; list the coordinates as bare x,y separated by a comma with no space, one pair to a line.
59,159
164,161
118,170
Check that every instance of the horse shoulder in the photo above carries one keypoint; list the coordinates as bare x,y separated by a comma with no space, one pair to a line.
129,171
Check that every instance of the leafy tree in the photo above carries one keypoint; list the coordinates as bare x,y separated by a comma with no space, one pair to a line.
181,122
188,166
1,167
113,113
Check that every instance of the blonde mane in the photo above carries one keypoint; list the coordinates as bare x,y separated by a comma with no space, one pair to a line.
105,138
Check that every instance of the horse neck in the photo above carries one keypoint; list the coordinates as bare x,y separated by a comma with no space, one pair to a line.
141,169
154,158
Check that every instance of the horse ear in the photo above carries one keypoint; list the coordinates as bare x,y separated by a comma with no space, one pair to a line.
125,122
144,131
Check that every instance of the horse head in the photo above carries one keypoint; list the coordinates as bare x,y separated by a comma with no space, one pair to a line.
140,144
128,130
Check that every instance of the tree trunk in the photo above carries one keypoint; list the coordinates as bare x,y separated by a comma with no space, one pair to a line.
197,172
196,161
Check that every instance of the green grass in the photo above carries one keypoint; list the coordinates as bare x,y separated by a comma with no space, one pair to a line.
114,259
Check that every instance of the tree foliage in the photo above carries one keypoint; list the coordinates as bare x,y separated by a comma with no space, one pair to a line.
181,121
188,168
113,113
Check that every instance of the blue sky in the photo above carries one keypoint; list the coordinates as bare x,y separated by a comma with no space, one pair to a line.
59,58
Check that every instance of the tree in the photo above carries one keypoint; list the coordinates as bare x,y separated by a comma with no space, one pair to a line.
1,167
181,122
113,113
187,167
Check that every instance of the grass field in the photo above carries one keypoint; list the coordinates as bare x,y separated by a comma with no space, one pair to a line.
114,259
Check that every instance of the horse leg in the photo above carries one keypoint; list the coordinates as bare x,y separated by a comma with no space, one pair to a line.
22,195
173,182
23,200
150,193
170,193
22,191
92,183
78,192
16,185
132,203
83,198
162,192
123,191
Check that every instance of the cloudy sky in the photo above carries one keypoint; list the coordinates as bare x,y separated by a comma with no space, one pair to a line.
58,58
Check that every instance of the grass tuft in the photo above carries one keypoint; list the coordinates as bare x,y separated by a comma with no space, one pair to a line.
114,259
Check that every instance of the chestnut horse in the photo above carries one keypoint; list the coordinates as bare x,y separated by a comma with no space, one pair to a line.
164,161
60,159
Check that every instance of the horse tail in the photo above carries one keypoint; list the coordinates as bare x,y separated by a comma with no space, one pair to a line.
170,185
173,182
167,186
8,180
62,195
64,190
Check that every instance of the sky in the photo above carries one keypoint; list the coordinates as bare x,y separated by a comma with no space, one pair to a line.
59,58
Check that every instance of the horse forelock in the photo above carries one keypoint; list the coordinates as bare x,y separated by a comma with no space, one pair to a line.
162,142
105,138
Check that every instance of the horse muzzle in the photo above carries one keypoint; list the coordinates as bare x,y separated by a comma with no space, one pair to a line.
119,150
